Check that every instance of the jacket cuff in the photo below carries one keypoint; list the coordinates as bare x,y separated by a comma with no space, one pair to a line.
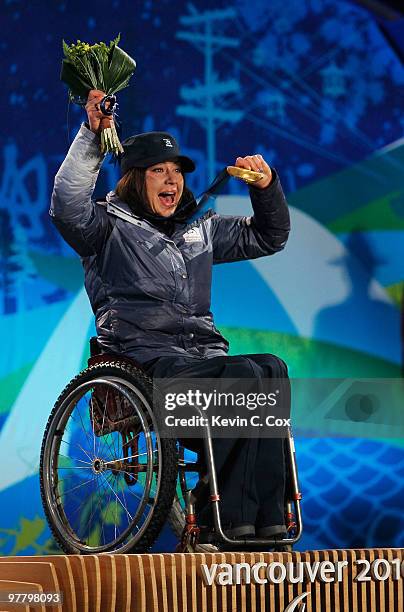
273,185
86,133
270,198
270,207
85,148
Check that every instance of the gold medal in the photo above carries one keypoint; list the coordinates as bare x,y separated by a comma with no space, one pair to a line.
248,176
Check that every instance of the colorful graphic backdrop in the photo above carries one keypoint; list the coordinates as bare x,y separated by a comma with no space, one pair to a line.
313,85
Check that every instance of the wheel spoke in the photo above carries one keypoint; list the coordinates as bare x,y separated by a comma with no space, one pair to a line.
75,459
101,489
78,446
74,488
117,498
83,427
130,457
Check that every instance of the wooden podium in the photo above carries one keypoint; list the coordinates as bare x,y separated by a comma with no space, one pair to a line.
368,580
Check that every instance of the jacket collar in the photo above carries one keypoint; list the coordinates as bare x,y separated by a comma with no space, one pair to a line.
121,209
113,199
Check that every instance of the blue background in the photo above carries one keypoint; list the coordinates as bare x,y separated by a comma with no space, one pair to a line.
314,86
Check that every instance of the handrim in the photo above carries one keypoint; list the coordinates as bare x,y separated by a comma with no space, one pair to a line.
51,449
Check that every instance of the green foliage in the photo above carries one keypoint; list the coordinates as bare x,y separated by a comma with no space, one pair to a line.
379,214
310,358
98,66
11,385
26,535
95,536
30,531
112,514
396,292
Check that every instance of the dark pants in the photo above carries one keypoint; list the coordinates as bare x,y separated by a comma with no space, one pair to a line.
251,471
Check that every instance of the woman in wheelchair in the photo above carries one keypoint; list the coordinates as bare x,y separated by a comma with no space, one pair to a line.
148,277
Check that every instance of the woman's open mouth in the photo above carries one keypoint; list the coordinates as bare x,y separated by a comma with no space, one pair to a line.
167,198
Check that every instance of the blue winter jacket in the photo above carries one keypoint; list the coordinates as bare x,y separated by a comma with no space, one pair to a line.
151,293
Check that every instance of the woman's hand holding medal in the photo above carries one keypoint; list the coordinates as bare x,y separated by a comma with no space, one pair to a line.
258,164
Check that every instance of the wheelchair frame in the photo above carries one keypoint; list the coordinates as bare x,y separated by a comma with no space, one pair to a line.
293,514
191,531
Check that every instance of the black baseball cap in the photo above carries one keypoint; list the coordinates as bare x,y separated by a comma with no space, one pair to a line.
144,150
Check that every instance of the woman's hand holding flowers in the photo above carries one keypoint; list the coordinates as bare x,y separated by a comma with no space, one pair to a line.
93,72
96,118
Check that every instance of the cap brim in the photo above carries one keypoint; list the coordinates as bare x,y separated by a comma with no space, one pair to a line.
187,165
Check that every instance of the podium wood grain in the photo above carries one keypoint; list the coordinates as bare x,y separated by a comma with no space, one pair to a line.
92,566
14,586
79,572
64,574
123,583
190,563
152,597
173,582
38,572
107,565
138,590
160,569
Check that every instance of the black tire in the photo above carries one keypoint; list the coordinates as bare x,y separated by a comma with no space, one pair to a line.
126,500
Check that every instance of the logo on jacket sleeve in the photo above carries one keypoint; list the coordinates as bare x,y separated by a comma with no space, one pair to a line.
193,235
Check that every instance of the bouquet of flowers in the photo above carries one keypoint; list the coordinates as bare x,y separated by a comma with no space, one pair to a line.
99,66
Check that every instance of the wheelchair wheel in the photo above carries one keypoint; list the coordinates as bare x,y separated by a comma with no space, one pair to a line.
107,478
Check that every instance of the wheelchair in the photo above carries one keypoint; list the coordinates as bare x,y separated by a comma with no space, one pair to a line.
109,481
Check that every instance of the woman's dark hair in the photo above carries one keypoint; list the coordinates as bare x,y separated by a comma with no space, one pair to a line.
131,188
